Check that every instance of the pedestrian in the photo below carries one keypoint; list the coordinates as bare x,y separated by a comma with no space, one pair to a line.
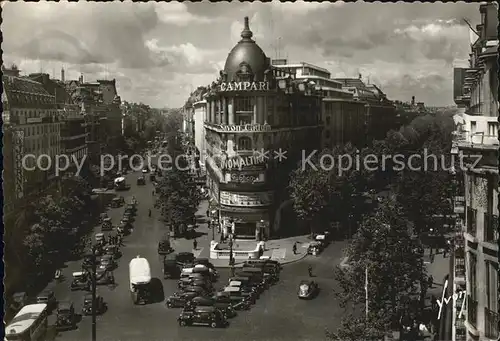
195,244
310,271
149,213
208,213
431,281
294,248
432,258
153,193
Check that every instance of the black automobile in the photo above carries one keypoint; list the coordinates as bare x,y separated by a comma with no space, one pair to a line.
81,281
224,306
257,279
307,289
180,299
270,272
237,302
65,316
104,277
164,247
48,297
87,263
200,291
184,258
246,286
207,316
210,273
170,267
87,305
141,181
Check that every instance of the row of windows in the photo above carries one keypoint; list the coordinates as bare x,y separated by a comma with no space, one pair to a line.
34,113
41,129
37,144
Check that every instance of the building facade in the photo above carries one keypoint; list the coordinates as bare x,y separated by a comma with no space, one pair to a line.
343,116
255,111
477,134
199,117
32,112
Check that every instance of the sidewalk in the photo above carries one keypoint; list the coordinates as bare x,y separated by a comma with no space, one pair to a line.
278,249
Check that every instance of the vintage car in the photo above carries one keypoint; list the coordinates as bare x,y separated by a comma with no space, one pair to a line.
265,261
87,263
123,229
100,306
270,273
245,287
170,267
107,263
65,316
240,292
238,302
205,283
145,170
249,282
164,247
106,225
210,273
141,181
126,220
112,250
256,277
48,297
19,300
209,316
152,177
180,299
104,277
224,306
315,248
81,281
184,258
307,289
102,217
131,208
200,291
99,238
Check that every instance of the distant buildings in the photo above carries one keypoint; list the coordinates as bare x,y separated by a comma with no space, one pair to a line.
476,94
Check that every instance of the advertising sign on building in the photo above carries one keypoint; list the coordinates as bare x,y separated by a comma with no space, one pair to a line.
246,127
247,178
245,86
239,162
246,199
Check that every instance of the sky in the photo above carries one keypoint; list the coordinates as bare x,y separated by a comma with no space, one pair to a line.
159,52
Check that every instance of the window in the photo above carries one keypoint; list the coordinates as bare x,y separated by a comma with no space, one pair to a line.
243,104
471,220
492,129
472,299
244,143
327,120
473,127
491,310
242,119
490,228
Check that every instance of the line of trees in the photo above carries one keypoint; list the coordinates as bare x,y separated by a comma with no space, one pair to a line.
386,242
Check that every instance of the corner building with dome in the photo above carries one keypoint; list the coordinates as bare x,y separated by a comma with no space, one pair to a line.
259,121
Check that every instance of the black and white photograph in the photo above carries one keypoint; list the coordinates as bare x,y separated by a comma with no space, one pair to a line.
278,171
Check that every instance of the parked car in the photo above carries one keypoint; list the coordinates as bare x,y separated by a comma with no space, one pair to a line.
170,267
87,305
209,316
104,277
81,281
180,299
65,316
238,302
141,181
107,262
48,297
106,225
307,289
164,247
184,258
224,306
102,217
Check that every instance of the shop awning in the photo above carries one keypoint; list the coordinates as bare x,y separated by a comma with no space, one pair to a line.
246,214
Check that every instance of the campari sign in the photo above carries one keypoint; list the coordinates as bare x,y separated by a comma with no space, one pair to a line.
245,86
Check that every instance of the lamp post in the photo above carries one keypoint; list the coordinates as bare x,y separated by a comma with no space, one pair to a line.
212,221
93,258
231,256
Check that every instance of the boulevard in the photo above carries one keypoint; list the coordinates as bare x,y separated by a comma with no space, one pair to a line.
277,315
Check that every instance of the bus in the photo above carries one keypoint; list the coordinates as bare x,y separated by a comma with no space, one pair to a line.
140,280
30,324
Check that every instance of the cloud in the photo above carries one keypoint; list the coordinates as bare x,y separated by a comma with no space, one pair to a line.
177,13
159,51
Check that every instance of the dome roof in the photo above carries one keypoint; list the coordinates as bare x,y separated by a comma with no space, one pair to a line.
246,57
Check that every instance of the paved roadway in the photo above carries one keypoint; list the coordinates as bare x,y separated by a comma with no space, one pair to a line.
277,315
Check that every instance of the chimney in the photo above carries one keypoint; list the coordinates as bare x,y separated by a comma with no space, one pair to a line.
62,74
412,100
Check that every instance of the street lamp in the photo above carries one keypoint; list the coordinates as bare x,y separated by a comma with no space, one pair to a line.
93,257
212,221
231,256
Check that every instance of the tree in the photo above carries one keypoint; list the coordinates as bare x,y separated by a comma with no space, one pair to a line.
384,247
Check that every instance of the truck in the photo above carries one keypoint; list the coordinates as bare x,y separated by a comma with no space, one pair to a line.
120,184
140,280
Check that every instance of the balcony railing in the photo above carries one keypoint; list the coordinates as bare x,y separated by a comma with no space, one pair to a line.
491,325
471,311
490,228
